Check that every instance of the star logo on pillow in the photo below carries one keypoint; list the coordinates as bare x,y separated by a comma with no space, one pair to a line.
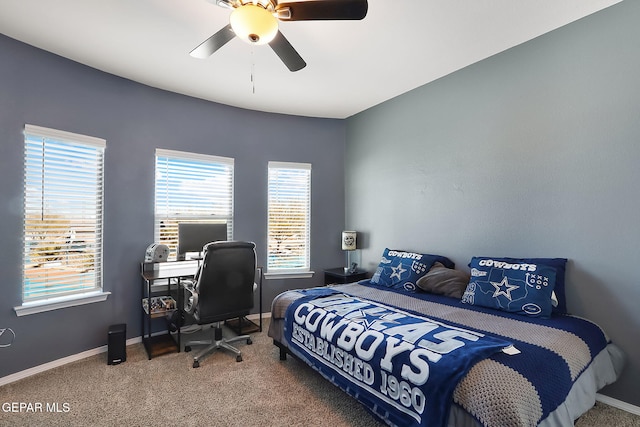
503,288
397,272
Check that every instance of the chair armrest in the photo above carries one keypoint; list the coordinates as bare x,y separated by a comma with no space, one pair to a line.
191,301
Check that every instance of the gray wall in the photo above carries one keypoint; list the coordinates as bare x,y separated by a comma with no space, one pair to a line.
531,153
43,89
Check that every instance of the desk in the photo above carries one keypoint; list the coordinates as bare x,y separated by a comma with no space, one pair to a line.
170,274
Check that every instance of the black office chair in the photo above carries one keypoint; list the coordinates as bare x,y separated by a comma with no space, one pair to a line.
222,289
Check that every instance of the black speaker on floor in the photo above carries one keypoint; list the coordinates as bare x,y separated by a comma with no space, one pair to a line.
117,348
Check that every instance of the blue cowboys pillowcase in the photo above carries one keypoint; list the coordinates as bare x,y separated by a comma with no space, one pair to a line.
401,269
559,265
522,288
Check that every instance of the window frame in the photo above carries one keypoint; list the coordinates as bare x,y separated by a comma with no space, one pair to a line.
161,209
56,139
283,272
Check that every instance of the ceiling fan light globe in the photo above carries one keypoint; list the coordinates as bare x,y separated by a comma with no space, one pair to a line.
253,24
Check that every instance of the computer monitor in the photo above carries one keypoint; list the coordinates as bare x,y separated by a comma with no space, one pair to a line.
192,236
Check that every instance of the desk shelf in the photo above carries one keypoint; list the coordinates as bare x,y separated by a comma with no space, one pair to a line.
161,306
242,325
158,345
160,283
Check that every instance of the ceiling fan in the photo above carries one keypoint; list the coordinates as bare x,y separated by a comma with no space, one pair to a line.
256,22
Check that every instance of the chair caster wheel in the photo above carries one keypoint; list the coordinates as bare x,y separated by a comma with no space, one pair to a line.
196,364
239,358
249,341
187,348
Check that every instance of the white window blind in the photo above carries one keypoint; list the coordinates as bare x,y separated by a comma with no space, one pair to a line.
63,194
191,188
289,217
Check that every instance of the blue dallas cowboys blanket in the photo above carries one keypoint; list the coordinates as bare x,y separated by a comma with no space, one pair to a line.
403,367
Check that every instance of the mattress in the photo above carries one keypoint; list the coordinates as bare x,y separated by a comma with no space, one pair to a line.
558,366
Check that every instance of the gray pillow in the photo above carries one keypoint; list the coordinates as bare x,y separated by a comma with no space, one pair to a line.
444,281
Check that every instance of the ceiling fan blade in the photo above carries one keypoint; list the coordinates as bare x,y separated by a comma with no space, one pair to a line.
319,10
287,53
213,43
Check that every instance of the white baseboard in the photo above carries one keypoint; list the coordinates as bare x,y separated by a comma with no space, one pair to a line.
60,362
79,356
619,404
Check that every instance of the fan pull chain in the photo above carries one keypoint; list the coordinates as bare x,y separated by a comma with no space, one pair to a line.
253,81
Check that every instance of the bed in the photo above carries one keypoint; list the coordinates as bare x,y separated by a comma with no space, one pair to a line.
424,344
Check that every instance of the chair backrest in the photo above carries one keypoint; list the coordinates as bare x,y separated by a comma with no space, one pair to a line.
225,281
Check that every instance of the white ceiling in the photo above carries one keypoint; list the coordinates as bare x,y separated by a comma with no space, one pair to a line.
351,65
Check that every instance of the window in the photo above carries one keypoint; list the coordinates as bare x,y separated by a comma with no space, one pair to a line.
289,214
62,227
191,188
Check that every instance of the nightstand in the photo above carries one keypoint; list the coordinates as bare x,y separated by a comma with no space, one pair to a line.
338,275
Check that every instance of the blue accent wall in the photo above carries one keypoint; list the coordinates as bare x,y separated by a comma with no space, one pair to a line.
533,152
43,89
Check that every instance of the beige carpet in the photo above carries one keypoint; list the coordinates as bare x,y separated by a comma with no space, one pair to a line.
167,391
